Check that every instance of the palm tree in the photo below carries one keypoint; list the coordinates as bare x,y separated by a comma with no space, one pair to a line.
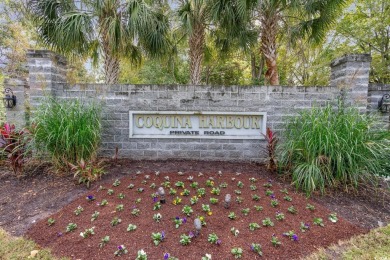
312,18
107,29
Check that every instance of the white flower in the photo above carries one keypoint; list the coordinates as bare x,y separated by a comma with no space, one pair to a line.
166,178
138,172
157,173
190,178
180,173
208,256
147,177
211,178
200,174
219,173
238,173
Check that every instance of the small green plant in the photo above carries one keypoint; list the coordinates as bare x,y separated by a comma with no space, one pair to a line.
166,184
179,184
158,237
172,191
274,203
223,185
194,185
215,191
140,190
287,198
115,221
50,222
71,227
239,200
87,172
121,196
237,252
257,249
153,185
78,210
201,192
269,192
185,240
245,211
103,203
110,191
157,217
238,192
131,227
88,232
279,216
157,206
232,215
285,191
255,197
104,241
253,187
179,221
267,222
240,184
119,208
213,239
310,207
116,183
131,186
194,200
252,180
268,184
291,234
253,226
292,210
258,208
213,201
176,201
95,215
141,255
135,212
318,222
206,208
138,200
275,241
187,210
333,217
185,192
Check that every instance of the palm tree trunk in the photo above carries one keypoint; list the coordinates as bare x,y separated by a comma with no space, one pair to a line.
196,44
269,30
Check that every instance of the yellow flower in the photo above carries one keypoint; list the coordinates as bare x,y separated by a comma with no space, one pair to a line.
174,202
209,213
199,196
201,218
181,193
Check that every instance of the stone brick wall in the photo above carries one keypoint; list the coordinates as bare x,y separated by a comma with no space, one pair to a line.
375,93
47,72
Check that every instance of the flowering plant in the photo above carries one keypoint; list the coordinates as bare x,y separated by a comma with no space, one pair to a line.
232,215
213,239
209,183
258,208
116,183
223,185
234,231
275,241
310,207
318,222
287,198
103,203
166,184
179,221
274,202
172,191
104,241
267,222
292,210
135,212
158,237
95,215
215,191
206,208
304,227
206,257
185,240
157,217
333,217
167,256
279,216
269,192
239,199
185,192
70,227
179,184
51,221
201,192
130,186
194,185
88,232
138,200
121,251
213,201
176,201
252,180
291,234
157,206
119,207
256,248
253,226
253,187
240,184
255,197
194,200
245,211
238,192
121,196
90,198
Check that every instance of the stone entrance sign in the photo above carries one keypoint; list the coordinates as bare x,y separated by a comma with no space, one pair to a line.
215,125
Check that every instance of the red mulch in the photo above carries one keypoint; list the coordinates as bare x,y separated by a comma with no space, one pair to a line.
73,245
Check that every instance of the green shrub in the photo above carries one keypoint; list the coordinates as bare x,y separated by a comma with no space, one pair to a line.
68,130
328,147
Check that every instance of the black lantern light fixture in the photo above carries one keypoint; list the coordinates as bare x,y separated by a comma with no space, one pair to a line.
9,98
384,103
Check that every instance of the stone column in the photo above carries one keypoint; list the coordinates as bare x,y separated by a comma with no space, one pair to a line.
19,115
350,73
47,73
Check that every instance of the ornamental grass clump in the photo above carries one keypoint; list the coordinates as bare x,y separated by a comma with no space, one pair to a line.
68,130
327,147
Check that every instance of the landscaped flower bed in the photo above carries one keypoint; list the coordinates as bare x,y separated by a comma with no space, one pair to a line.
126,218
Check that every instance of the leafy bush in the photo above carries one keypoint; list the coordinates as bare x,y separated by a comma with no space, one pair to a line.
327,147
13,144
68,130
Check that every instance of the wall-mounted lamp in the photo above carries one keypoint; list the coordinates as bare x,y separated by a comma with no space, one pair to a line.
384,103
9,98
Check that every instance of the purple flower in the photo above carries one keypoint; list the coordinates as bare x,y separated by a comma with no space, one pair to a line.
166,256
272,196
269,180
219,242
59,234
191,234
90,197
252,248
162,235
154,199
177,218
120,248
184,220
295,237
